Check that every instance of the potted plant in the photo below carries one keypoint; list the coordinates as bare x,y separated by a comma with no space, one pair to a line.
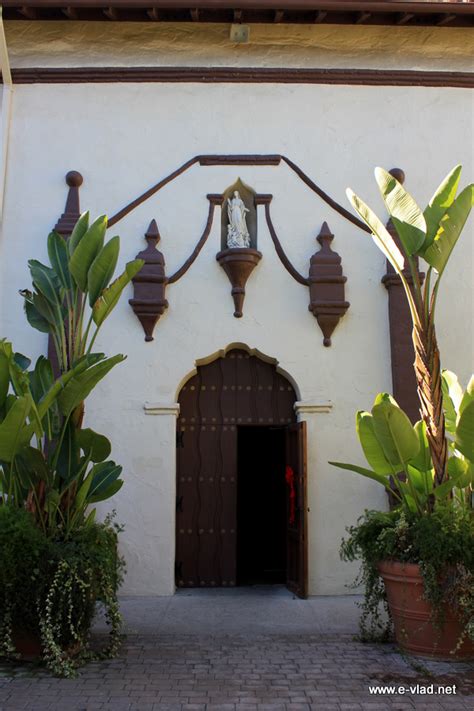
423,548
57,560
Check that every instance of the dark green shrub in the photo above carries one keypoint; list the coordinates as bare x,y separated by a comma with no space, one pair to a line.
49,587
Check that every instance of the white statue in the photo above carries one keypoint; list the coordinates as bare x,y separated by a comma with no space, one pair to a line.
237,232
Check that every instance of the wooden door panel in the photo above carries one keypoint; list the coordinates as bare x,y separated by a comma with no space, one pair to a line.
236,390
297,553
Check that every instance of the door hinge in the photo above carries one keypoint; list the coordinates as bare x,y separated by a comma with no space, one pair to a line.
180,439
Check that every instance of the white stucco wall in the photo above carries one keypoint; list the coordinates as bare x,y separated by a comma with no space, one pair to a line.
123,138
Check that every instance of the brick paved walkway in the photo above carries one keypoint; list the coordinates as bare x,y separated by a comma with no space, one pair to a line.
291,673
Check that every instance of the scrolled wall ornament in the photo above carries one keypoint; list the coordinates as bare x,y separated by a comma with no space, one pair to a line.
326,285
149,285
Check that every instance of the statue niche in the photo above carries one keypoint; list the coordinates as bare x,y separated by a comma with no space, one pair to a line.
239,255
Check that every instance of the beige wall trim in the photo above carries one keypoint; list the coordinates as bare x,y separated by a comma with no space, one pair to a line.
155,408
311,408
246,75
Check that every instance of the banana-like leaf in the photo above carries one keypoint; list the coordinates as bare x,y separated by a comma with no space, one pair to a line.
46,281
102,269
105,474
110,296
41,380
465,432
442,199
86,251
4,378
22,361
35,319
447,486
11,429
68,455
372,448
379,478
406,216
468,396
461,470
395,434
54,314
422,460
52,502
80,229
380,234
59,258
438,253
94,445
81,495
106,493
34,467
452,397
421,482
82,364
79,386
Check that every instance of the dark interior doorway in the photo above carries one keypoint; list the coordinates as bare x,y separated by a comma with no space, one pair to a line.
261,506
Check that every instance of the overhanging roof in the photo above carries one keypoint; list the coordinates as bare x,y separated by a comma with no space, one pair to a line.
443,13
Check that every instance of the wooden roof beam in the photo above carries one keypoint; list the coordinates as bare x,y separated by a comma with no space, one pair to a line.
279,15
362,17
320,16
153,14
237,16
28,12
405,18
70,13
445,19
111,13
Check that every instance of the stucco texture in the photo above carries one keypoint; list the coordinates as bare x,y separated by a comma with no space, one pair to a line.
86,44
124,138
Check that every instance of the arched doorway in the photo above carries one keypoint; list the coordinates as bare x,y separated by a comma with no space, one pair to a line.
241,477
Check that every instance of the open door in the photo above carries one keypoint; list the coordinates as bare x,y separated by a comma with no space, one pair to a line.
296,531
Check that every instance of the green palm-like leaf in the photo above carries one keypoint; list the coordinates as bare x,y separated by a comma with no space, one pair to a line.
442,199
379,478
80,229
372,448
110,296
452,397
438,253
468,396
465,432
11,429
4,378
86,251
380,234
59,258
79,386
406,216
33,316
105,481
94,445
102,269
46,281
395,434
58,386
422,460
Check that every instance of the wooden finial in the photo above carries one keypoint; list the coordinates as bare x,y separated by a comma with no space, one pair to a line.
72,210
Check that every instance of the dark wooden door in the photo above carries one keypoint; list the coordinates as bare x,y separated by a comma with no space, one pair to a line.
296,541
236,390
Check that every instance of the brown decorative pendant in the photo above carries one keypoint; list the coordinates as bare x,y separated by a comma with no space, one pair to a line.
326,286
238,263
149,301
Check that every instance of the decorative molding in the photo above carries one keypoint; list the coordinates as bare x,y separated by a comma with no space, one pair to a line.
243,75
326,286
156,408
238,263
72,211
303,407
149,285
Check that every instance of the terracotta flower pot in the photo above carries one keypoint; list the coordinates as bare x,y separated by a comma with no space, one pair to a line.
411,615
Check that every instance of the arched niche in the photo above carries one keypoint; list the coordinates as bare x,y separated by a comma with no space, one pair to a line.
248,196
